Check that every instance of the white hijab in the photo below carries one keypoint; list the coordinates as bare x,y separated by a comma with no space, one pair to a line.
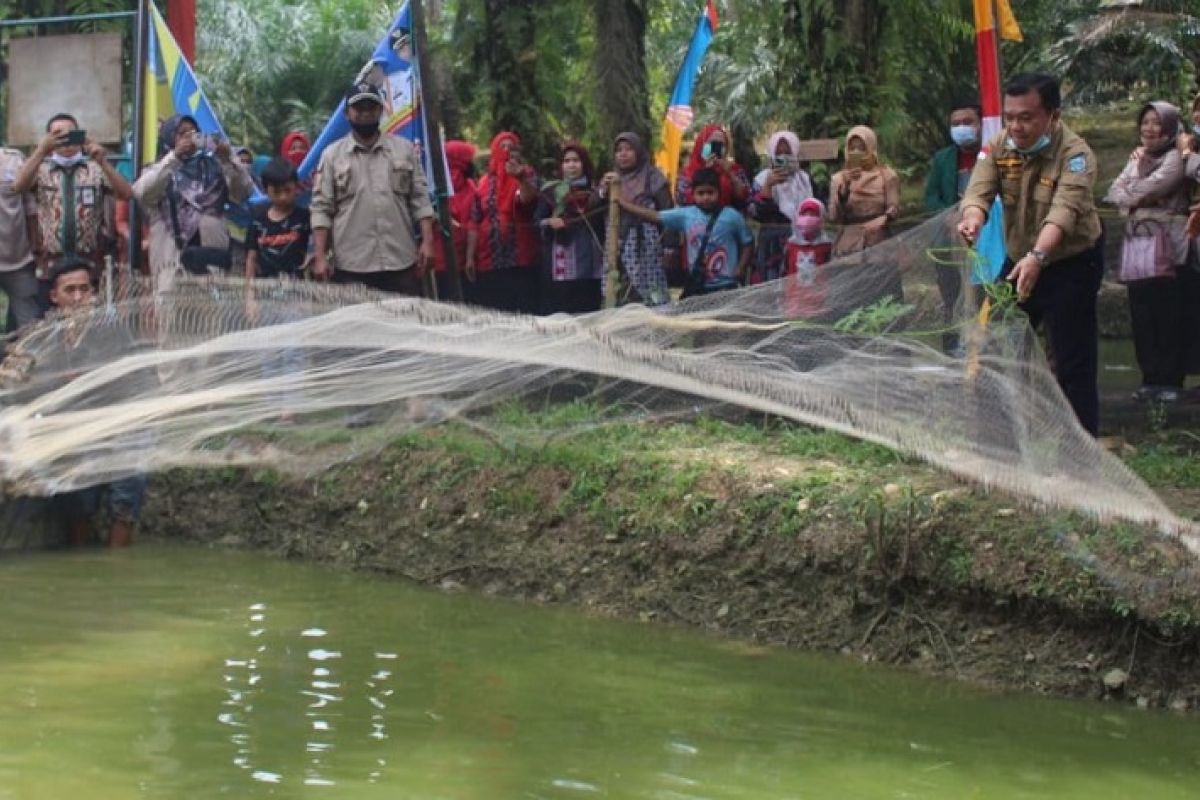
796,189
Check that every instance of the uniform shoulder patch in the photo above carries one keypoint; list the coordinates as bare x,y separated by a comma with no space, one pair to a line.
1077,163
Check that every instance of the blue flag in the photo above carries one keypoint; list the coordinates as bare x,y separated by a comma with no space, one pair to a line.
991,247
393,67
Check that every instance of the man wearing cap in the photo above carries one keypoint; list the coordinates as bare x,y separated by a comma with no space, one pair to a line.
369,190
1044,175
71,185
17,279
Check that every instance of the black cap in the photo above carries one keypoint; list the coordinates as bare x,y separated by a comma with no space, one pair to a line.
363,90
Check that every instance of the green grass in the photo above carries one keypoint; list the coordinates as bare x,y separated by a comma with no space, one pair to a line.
1169,464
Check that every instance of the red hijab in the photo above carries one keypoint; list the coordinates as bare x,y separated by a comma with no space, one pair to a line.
459,156
696,161
506,185
285,149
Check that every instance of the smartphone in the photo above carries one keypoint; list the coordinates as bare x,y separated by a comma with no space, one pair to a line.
717,149
76,137
785,163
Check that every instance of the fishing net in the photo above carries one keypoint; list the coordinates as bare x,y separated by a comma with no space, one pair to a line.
898,345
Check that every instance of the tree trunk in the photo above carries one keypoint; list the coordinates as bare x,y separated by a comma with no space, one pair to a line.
862,21
622,95
511,59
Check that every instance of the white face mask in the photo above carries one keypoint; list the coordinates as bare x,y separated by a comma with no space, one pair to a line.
67,162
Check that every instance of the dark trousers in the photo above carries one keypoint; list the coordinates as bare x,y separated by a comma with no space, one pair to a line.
1064,298
1156,306
396,281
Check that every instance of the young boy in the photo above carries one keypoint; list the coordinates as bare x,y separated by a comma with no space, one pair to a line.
806,287
719,242
277,246
277,240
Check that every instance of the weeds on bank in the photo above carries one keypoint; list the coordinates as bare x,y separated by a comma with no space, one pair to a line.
1172,461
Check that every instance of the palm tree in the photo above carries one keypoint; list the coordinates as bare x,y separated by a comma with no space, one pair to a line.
1118,48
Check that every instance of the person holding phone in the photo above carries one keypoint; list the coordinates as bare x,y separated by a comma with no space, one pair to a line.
73,184
713,150
775,203
185,193
503,264
864,196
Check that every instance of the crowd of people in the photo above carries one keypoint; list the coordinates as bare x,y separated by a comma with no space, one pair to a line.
539,244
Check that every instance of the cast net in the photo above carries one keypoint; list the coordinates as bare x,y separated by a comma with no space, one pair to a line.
887,346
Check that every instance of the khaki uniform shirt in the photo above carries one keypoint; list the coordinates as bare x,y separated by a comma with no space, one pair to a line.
15,210
1053,186
370,198
71,208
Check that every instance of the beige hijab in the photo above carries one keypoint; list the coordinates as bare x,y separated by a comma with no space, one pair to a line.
870,141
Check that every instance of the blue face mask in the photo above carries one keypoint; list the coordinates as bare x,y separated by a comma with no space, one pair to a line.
964,135
1038,146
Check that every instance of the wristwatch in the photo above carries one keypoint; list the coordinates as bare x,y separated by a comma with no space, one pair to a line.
1041,255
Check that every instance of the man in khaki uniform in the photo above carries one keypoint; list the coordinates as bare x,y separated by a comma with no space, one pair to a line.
370,190
1044,175
17,278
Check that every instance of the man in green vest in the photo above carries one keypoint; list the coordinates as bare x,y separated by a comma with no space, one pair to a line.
950,170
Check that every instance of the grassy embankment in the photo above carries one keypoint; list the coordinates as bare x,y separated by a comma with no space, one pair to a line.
766,531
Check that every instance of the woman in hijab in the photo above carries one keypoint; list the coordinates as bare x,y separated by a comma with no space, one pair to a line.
775,203
570,216
460,157
713,150
864,197
504,261
639,244
1152,194
185,195
295,148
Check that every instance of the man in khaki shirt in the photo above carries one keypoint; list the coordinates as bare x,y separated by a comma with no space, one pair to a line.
1044,176
17,279
369,191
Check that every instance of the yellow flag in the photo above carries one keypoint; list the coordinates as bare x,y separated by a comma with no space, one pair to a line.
1007,22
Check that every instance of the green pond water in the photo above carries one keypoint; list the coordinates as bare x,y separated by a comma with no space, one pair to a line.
167,672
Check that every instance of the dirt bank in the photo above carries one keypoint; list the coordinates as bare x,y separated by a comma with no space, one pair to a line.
776,534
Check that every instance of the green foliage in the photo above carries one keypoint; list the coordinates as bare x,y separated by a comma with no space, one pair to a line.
583,68
282,64
1122,53
875,319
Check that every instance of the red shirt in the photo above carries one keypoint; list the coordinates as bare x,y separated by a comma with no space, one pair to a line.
806,284
518,232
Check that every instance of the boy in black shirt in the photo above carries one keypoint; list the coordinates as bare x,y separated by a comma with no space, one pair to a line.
277,247
277,241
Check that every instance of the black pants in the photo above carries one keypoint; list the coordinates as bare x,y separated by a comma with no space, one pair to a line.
396,281
1157,306
1064,298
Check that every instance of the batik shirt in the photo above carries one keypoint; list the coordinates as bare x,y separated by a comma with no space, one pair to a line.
70,208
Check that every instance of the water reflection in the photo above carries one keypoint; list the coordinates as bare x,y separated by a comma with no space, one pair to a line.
324,697
115,682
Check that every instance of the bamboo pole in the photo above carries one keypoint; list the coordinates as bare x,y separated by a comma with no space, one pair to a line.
435,145
611,246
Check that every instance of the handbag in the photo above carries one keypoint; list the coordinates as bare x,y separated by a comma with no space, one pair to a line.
195,259
1145,252
695,275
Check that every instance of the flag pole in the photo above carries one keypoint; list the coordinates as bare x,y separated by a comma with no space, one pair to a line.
139,112
433,141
